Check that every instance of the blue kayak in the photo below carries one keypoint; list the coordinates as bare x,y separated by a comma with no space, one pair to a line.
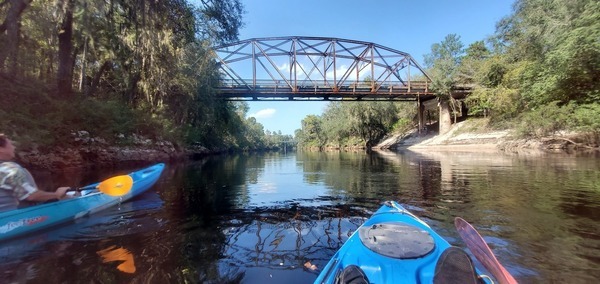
394,246
26,220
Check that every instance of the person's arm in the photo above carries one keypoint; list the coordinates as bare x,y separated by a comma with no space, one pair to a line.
41,196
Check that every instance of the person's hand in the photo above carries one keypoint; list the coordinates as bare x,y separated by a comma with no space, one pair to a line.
61,192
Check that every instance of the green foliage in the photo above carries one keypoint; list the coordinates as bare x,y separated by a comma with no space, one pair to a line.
311,134
492,72
24,112
443,63
543,69
254,134
586,118
560,42
472,63
544,121
552,118
139,67
355,123
371,121
147,68
403,124
275,140
48,121
221,20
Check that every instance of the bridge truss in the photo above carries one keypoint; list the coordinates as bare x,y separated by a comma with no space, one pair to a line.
318,68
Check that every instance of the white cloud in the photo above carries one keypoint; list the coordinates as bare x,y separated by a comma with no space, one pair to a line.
263,113
285,68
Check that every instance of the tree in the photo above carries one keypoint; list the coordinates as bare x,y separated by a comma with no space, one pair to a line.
471,63
371,120
312,132
255,133
443,63
335,123
560,41
363,122
65,49
152,57
10,36
221,19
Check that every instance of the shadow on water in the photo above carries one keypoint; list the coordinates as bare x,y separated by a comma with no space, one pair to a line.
278,218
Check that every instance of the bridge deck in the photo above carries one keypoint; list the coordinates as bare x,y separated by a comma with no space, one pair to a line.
361,91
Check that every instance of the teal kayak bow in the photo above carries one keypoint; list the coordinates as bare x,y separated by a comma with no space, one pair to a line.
394,246
94,197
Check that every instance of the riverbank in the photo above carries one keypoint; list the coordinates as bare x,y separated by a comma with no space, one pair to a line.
85,151
469,136
465,136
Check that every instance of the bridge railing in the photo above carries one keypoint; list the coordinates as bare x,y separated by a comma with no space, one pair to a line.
281,86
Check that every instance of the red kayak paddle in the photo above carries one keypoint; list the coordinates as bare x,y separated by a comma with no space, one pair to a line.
482,251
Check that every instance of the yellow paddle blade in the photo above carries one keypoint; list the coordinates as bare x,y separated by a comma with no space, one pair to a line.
116,186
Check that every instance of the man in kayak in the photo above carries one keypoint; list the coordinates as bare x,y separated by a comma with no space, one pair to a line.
16,183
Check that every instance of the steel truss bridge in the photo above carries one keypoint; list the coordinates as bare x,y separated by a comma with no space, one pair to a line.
318,68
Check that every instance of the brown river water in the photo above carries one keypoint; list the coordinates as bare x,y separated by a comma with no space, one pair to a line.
261,218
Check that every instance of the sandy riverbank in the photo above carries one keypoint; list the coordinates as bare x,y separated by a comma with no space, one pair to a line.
466,137
455,139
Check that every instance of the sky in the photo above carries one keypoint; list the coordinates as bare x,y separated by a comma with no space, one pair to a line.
411,26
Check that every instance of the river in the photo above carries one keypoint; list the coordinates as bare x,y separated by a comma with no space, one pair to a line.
265,218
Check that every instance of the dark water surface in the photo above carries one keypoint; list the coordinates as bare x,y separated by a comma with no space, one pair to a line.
260,218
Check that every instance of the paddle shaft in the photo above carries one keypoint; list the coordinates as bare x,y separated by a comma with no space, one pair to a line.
114,186
482,251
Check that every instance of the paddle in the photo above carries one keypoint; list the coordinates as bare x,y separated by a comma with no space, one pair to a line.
482,251
114,186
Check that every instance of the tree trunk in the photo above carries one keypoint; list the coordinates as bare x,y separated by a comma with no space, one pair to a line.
10,55
96,81
65,50
445,119
421,116
131,93
464,110
82,73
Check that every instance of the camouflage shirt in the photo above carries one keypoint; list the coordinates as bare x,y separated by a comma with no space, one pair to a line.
16,184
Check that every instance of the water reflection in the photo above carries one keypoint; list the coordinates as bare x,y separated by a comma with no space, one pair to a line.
278,217
537,212
120,255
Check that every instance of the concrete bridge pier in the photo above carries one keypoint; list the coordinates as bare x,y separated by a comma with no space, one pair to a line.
421,115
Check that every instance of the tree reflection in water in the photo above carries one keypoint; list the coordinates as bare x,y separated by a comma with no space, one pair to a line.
285,239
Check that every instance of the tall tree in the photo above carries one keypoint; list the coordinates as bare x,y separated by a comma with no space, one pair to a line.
443,63
221,19
10,36
64,74
471,63
312,131
371,120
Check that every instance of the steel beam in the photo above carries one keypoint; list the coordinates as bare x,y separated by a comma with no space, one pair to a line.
339,69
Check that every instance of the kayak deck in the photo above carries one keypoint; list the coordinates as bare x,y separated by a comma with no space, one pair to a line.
393,246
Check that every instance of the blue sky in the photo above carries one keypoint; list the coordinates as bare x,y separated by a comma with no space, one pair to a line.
409,26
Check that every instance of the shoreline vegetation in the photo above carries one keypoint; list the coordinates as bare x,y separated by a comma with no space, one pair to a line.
465,136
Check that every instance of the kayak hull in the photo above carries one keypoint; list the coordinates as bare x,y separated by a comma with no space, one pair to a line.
30,219
393,246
